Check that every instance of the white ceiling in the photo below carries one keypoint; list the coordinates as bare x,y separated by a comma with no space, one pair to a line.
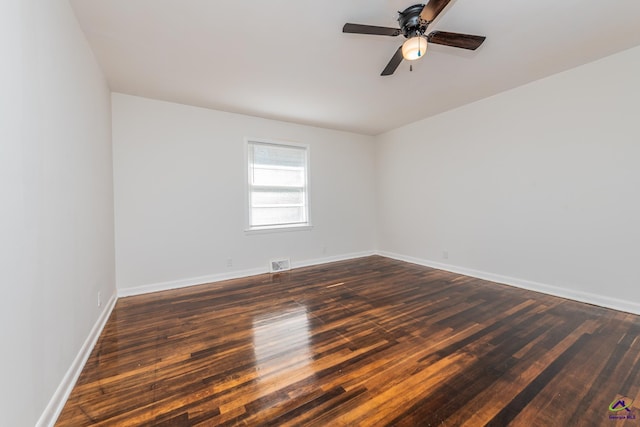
289,60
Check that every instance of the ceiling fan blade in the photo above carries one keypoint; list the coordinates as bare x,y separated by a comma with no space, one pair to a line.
370,29
464,41
396,59
432,9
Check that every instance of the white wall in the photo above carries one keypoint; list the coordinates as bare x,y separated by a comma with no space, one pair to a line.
179,176
56,213
538,186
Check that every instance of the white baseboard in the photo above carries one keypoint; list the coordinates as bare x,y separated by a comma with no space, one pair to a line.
573,294
193,281
577,295
325,260
60,396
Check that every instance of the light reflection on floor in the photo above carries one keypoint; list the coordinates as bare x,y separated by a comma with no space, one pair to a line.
282,348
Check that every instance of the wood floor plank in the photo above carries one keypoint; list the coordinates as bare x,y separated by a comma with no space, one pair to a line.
370,341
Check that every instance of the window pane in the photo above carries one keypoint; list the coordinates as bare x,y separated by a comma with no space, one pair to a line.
278,215
269,155
262,197
278,176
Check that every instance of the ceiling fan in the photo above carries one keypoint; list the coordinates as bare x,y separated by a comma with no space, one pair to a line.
414,21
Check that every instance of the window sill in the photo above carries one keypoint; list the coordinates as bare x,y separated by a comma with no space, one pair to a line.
278,229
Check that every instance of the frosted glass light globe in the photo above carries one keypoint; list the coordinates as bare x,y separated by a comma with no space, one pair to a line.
414,48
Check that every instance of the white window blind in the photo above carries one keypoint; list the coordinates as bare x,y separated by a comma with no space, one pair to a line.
278,195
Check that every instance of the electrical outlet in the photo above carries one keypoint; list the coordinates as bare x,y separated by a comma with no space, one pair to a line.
99,299
229,262
324,250
445,254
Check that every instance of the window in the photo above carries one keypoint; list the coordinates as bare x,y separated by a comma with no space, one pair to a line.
277,185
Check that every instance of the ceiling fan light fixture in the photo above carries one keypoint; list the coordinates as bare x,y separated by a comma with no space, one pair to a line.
414,48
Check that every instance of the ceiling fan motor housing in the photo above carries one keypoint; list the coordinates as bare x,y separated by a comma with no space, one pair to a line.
410,21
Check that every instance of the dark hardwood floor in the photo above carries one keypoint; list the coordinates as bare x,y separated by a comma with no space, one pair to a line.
371,341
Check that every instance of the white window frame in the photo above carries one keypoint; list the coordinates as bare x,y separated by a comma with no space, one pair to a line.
276,227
